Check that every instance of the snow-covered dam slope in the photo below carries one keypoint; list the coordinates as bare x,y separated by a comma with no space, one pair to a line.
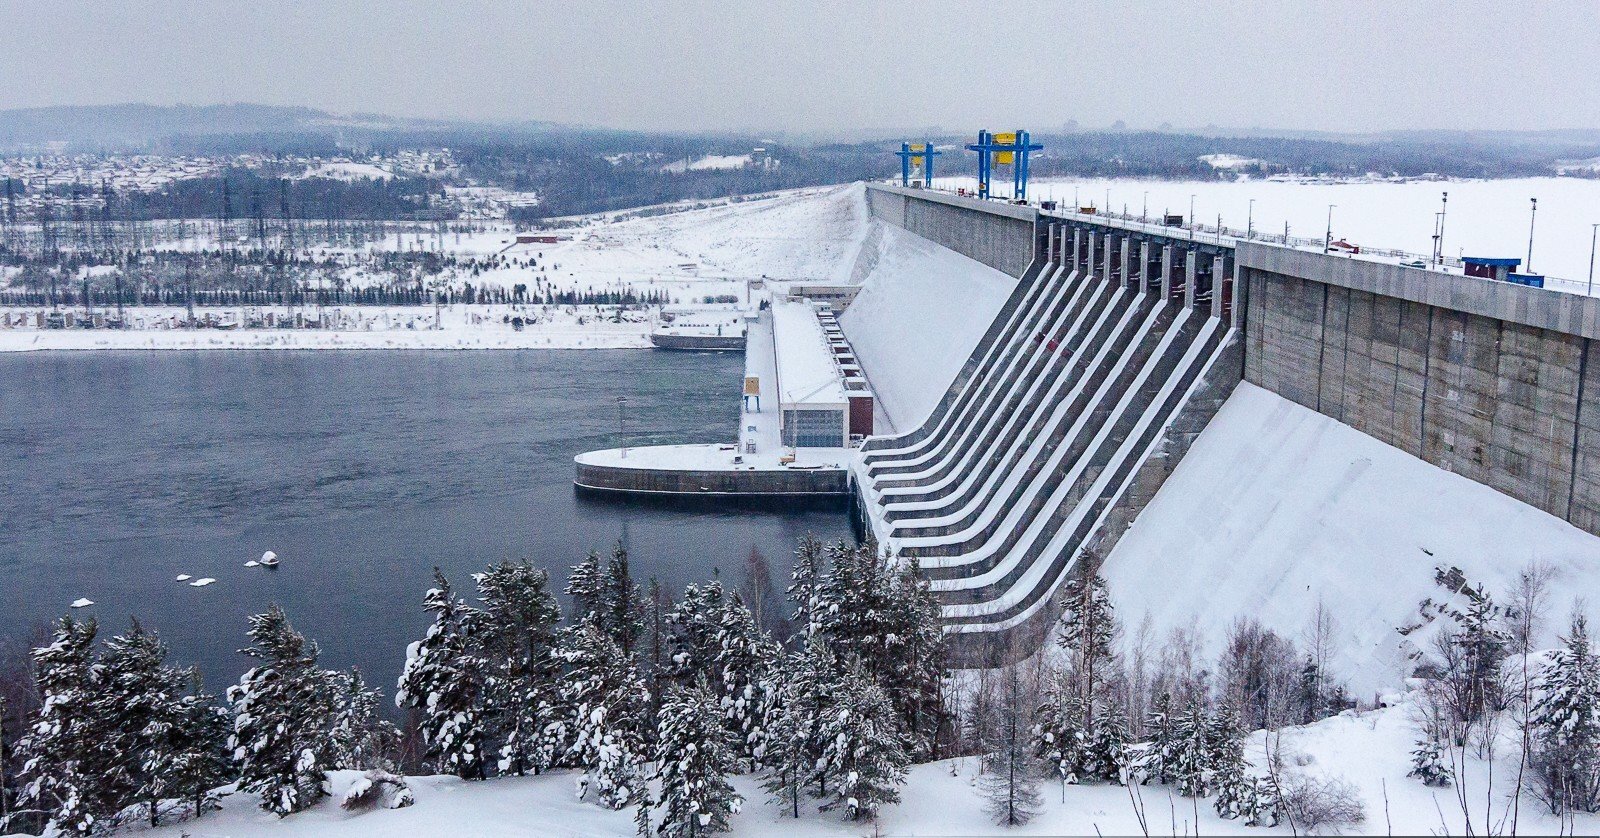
1277,508
921,310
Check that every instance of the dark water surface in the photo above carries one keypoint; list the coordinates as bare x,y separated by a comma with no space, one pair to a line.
362,470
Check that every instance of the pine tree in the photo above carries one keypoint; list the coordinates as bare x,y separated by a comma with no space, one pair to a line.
1058,735
607,701
64,751
190,757
446,677
1011,787
1566,723
1189,760
694,759
744,660
692,635
1105,756
283,708
1263,806
1428,763
1156,761
1484,645
806,579
807,693
625,606
1226,762
517,638
914,658
358,737
586,584
141,701
1088,628
862,745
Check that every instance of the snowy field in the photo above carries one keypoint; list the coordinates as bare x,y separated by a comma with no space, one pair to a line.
1277,507
1485,218
1371,750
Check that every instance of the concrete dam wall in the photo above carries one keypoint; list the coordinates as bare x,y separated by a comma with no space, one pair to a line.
1122,340
1493,381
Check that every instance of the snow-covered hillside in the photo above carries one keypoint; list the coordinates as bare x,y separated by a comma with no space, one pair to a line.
1277,507
921,310
1370,750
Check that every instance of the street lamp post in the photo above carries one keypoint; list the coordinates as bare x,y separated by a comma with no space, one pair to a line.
622,440
1594,231
1144,214
1191,210
1327,239
1250,220
1533,216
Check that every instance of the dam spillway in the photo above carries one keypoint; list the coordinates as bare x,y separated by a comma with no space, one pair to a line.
1060,427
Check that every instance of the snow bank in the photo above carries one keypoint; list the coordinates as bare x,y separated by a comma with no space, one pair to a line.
921,310
1370,750
1278,506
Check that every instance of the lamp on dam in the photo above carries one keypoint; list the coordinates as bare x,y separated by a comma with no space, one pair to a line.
1005,149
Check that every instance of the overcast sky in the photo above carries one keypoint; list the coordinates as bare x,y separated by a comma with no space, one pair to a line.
828,67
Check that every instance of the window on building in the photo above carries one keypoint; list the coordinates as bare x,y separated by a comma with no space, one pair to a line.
813,428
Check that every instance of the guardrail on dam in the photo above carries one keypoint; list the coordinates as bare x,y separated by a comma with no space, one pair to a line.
1122,340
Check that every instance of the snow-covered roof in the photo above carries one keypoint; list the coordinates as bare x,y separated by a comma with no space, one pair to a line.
807,374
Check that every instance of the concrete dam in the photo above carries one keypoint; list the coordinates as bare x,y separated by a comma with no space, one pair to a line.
1121,341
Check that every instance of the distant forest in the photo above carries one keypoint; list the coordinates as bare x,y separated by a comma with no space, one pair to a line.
577,171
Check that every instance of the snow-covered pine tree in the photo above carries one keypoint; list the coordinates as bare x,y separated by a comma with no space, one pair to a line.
1263,806
517,638
1088,627
146,708
63,751
694,758
1429,764
862,745
1058,735
358,737
1226,762
1189,763
1105,755
692,635
1011,788
446,678
607,598
282,711
625,616
189,757
806,693
744,662
1484,644
805,581
607,701
1156,760
1566,723
586,584
914,669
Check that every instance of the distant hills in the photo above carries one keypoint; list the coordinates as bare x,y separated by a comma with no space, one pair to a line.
138,126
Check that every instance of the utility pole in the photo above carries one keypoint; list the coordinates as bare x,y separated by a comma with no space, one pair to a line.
622,441
1144,214
1327,240
1250,220
1594,231
1533,216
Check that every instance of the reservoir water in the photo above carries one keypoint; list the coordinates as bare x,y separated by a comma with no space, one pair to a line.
361,470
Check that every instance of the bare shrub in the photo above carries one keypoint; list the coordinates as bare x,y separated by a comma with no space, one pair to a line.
1320,805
